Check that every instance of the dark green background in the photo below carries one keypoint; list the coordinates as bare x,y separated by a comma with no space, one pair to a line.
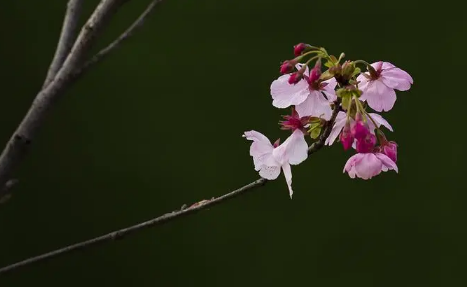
159,123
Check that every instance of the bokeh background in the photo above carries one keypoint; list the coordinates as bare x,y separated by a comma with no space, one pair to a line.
158,124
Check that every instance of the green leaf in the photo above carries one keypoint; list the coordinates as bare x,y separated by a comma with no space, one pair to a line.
314,134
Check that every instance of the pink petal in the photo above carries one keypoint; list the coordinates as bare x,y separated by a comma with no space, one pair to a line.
257,137
387,162
396,78
379,96
337,128
356,158
285,94
315,105
288,177
385,66
329,90
331,84
260,147
379,65
380,121
350,164
270,172
294,150
368,166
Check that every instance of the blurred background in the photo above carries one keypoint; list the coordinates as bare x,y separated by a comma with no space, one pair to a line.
158,124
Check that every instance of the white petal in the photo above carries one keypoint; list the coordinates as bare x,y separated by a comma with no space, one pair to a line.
380,121
260,148
316,106
288,177
329,90
368,166
378,96
285,94
270,172
294,150
387,162
337,128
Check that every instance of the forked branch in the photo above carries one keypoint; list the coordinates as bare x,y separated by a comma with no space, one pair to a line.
68,64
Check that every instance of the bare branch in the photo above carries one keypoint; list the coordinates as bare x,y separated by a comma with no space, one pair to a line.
127,33
125,231
203,204
19,143
67,38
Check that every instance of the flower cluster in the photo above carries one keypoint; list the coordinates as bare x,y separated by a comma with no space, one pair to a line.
329,105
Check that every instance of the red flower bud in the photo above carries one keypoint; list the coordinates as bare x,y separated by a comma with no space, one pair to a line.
287,66
295,78
299,49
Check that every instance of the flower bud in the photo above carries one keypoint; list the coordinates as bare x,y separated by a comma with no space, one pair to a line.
390,149
300,48
366,144
287,66
315,72
335,70
360,130
348,69
295,78
346,137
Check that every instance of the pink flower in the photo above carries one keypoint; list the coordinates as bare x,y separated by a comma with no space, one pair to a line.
378,88
390,149
306,95
341,119
368,165
269,160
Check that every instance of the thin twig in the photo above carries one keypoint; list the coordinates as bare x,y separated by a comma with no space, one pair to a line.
19,143
126,34
125,231
67,38
168,216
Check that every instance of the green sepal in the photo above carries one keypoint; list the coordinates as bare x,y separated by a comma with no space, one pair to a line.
356,71
328,64
346,100
326,76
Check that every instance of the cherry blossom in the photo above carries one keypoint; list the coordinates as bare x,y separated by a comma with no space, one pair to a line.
310,95
269,159
390,149
368,165
379,85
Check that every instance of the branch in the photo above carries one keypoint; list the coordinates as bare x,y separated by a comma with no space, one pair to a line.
126,34
168,216
67,37
60,77
19,143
